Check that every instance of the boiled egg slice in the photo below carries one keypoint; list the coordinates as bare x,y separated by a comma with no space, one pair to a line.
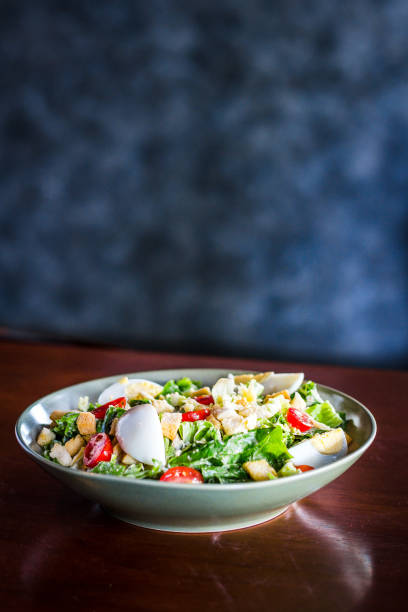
321,449
273,383
139,434
130,388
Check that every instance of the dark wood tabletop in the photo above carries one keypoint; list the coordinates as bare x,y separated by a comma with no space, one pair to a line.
342,548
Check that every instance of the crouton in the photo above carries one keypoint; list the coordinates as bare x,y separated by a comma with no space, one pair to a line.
262,375
117,451
74,445
234,424
243,378
86,423
272,395
77,459
202,391
112,429
170,423
191,404
348,438
128,460
61,454
45,437
57,414
259,470
214,421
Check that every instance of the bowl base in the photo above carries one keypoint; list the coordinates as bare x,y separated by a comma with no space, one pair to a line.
227,524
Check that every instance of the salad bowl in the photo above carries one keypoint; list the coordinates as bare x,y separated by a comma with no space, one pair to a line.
190,508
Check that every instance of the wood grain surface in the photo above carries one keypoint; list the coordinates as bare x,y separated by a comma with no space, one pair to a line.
342,548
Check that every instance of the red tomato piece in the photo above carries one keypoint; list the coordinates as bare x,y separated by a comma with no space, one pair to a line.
182,474
99,448
304,468
299,419
100,411
196,415
206,400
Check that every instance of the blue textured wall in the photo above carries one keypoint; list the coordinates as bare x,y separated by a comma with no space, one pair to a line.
227,176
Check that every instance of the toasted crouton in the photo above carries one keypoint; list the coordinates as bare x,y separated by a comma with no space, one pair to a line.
243,378
61,454
57,414
170,423
272,395
74,445
46,436
202,391
348,438
128,460
86,423
112,430
77,459
214,421
259,470
117,451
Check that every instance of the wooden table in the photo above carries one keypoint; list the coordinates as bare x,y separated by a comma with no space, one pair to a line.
343,548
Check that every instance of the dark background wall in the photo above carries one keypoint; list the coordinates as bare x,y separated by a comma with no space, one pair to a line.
224,176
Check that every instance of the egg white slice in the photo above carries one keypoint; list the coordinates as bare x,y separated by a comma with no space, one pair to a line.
321,449
278,382
130,388
139,434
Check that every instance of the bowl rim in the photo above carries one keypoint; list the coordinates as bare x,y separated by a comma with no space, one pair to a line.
145,482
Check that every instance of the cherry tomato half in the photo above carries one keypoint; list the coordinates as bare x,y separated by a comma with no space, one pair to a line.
206,400
100,411
99,448
299,419
304,468
182,474
195,415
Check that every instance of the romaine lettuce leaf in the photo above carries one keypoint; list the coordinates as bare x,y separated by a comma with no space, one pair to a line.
325,413
198,432
237,449
182,385
224,473
111,413
308,391
66,427
137,470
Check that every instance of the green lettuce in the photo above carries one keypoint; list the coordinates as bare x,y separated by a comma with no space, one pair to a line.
111,413
223,474
66,427
237,449
325,413
136,470
288,470
308,391
137,402
182,385
198,432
